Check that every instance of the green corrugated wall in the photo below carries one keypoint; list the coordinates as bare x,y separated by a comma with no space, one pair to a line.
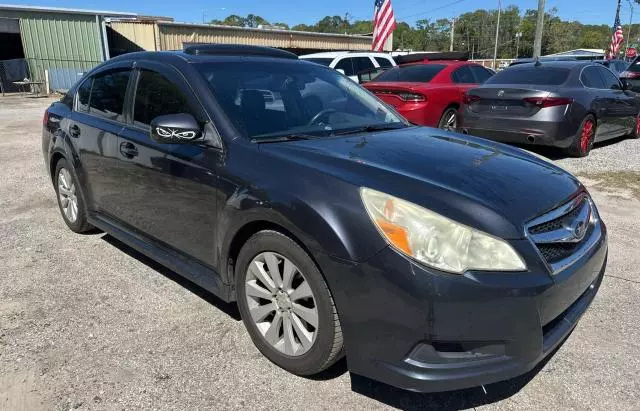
58,40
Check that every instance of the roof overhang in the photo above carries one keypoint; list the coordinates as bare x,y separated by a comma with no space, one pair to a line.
38,9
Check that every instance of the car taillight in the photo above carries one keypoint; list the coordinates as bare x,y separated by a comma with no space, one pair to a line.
403,95
407,96
544,102
470,99
630,74
45,118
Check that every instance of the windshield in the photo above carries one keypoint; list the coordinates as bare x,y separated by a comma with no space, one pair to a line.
532,75
422,73
267,99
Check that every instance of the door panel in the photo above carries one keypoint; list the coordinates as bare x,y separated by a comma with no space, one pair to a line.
94,127
620,106
168,191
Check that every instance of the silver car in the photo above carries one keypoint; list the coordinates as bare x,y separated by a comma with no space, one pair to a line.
565,104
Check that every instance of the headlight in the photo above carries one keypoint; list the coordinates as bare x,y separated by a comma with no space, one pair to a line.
435,240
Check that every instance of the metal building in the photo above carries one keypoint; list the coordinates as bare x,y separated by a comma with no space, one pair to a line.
65,42
128,36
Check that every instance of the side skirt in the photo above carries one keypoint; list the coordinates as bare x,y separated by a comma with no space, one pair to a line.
193,271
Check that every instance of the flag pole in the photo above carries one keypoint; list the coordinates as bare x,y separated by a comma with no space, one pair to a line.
495,49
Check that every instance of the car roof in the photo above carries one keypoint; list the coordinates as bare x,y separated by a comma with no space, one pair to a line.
334,54
557,63
441,62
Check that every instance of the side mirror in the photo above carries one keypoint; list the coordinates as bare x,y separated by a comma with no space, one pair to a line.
175,129
340,71
617,87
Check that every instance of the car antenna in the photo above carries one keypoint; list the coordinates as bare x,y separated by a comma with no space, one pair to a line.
537,63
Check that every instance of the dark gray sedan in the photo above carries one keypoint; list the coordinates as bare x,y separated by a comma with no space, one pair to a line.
565,104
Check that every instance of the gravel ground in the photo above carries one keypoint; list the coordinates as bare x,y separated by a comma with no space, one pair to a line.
87,323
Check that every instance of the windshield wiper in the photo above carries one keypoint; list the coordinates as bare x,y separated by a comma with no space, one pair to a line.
287,137
370,129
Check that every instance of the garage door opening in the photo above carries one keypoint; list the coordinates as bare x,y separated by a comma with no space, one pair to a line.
13,66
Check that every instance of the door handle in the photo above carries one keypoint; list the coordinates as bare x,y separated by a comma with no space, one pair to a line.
74,131
128,150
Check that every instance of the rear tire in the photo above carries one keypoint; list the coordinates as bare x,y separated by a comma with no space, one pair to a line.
449,119
70,198
584,138
636,131
290,316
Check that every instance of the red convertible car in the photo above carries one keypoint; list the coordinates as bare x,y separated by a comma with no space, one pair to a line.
426,91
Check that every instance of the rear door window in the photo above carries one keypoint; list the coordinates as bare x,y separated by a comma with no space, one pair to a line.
108,94
383,62
361,64
591,78
422,73
480,74
84,92
157,96
610,79
463,75
346,64
531,75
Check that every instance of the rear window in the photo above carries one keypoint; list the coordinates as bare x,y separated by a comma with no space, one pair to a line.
422,73
325,61
539,76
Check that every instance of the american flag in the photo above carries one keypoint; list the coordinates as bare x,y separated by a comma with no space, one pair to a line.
384,22
617,37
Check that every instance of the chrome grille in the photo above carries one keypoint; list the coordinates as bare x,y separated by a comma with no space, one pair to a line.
565,233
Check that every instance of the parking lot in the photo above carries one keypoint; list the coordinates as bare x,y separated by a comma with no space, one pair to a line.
88,323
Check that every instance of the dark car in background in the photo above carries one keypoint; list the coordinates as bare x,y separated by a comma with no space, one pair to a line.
432,260
565,104
632,75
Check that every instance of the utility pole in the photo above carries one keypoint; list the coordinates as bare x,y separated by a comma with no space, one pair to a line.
629,29
453,30
518,35
495,50
537,41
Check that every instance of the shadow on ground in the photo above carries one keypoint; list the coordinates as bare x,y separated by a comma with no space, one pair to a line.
553,153
230,309
392,396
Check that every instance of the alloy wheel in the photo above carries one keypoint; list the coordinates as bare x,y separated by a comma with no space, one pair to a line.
67,195
586,136
450,121
281,304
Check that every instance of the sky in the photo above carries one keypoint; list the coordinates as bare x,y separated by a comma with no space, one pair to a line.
308,12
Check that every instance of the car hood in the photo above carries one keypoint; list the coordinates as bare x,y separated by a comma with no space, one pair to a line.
487,185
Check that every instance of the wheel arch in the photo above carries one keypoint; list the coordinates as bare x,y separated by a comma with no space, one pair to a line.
53,162
249,229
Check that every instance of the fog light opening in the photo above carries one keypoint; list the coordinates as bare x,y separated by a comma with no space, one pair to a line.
531,139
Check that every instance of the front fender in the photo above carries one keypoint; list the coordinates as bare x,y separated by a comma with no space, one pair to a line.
342,230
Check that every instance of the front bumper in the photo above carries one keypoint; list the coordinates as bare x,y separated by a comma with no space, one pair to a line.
422,330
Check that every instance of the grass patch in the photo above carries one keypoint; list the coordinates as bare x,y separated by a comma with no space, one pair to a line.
622,183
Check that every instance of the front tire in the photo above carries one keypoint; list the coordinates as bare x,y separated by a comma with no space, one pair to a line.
449,119
286,305
584,138
70,199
